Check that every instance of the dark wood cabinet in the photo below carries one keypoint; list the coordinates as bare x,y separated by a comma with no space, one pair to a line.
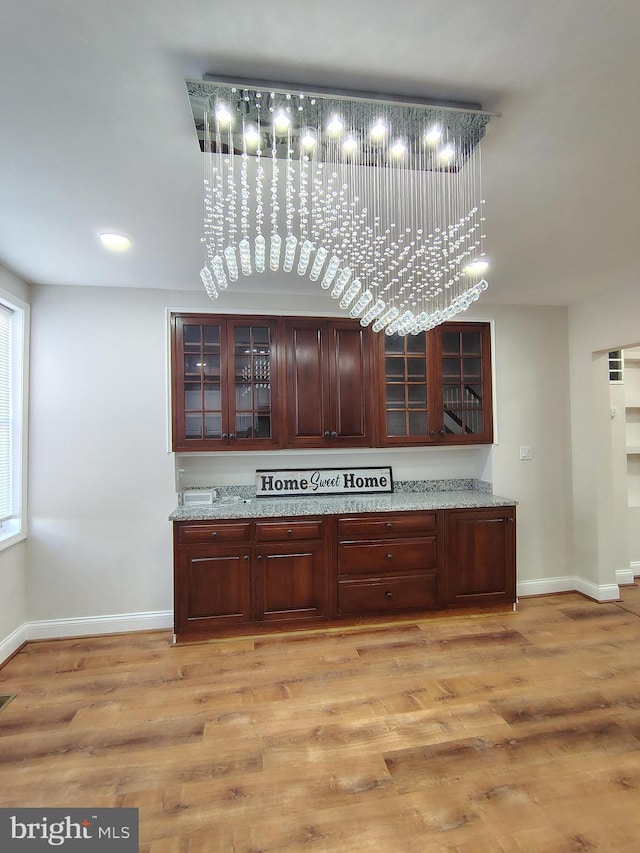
435,388
328,385
291,572
231,573
480,556
463,405
405,381
249,575
388,564
225,375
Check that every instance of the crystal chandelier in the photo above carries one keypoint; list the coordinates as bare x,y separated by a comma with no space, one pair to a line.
377,201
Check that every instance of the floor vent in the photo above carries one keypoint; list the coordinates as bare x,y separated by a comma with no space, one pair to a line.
4,701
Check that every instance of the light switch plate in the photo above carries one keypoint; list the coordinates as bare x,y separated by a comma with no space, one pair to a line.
526,452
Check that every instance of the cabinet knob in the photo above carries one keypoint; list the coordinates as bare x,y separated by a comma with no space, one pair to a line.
334,434
510,519
388,594
232,435
327,434
225,435
214,534
441,431
389,556
289,532
389,525
246,557
258,556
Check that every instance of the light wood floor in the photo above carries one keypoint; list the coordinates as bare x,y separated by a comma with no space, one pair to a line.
510,732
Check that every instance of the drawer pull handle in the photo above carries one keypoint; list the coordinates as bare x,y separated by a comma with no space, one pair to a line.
214,534
389,525
289,532
389,556
246,557
388,594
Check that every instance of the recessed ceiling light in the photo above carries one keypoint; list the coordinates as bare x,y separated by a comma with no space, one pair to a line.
115,242
282,121
251,136
379,130
433,135
477,267
223,114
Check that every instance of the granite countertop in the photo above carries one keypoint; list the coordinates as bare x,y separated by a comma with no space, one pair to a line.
235,506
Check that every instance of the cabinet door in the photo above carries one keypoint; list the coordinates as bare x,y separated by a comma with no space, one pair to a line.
306,393
292,581
328,384
253,384
350,384
224,383
212,587
200,410
462,358
480,556
404,380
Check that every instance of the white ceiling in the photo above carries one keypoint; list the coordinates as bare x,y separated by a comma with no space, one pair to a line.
96,131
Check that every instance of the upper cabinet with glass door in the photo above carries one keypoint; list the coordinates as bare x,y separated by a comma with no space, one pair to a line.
435,387
224,383
463,399
405,383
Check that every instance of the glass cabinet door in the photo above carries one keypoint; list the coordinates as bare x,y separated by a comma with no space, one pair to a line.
406,390
202,376
465,366
223,382
252,354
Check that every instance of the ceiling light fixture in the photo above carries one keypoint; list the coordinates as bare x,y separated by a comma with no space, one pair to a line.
393,232
115,242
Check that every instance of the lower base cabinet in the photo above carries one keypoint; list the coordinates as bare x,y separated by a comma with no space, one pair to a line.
246,575
479,557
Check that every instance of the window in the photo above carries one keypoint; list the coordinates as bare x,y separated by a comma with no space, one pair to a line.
13,368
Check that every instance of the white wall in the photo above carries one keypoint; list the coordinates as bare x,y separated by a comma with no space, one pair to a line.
596,325
103,484
13,560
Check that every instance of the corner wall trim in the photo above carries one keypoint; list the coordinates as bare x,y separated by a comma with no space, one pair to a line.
12,643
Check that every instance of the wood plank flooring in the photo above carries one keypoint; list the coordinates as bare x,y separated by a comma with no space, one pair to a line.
505,732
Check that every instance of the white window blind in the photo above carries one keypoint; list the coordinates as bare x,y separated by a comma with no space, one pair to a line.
7,510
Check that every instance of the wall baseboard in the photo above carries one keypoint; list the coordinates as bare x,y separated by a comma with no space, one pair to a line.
634,566
626,576
569,583
118,623
122,623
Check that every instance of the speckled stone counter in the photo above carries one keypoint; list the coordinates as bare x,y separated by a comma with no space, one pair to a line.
241,506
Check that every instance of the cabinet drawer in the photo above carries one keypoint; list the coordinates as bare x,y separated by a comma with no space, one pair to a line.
388,595
194,534
401,555
281,531
386,525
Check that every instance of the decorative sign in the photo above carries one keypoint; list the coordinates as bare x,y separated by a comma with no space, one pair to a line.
294,482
